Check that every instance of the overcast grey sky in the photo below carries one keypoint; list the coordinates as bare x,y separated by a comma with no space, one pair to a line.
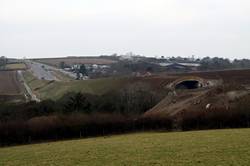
49,28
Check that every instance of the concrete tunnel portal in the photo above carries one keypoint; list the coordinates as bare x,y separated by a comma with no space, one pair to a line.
191,82
188,84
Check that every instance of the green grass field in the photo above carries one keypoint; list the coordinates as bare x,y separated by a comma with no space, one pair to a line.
16,66
56,89
214,147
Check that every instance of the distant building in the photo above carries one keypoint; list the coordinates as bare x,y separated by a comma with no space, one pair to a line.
182,66
130,56
142,74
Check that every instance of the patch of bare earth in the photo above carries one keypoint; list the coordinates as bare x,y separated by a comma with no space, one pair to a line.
10,86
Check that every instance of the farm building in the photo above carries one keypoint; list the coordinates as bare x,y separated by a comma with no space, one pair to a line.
180,66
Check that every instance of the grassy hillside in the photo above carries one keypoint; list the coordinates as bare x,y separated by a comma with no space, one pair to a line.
214,147
56,89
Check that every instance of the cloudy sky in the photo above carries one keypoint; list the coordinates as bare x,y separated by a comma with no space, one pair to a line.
49,28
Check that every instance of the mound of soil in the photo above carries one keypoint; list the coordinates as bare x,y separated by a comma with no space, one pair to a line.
222,97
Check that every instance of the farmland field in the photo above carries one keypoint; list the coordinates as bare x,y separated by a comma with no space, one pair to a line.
75,60
9,83
16,66
214,147
10,87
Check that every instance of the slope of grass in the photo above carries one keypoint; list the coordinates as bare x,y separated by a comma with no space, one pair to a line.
56,89
214,147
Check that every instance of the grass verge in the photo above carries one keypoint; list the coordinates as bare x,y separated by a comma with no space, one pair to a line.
56,89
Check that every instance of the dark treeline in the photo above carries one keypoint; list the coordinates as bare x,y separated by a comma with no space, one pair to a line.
216,63
78,115
75,125
3,62
133,99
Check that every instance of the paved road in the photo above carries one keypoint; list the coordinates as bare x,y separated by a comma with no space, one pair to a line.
70,74
41,71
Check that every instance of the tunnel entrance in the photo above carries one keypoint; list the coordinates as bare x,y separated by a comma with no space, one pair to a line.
188,84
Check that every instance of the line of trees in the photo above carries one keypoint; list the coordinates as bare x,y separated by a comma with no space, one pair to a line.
3,62
216,63
77,125
78,115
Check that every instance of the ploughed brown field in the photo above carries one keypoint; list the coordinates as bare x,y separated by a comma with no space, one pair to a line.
9,84
10,87
75,60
